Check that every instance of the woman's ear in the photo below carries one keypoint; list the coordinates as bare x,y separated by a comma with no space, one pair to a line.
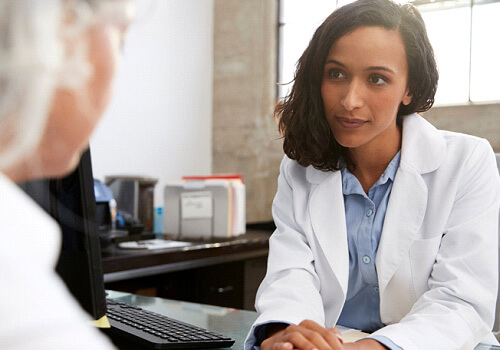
407,98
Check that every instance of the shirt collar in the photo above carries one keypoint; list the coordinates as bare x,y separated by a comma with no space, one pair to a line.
350,183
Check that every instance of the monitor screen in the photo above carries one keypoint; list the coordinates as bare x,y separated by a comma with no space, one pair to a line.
71,202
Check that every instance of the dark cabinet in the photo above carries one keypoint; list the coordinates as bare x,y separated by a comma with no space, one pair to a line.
220,272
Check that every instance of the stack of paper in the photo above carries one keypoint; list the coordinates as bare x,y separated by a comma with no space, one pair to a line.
208,206
153,244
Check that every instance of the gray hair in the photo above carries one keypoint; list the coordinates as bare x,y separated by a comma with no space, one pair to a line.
34,62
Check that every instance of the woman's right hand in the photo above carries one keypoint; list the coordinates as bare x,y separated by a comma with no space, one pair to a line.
308,335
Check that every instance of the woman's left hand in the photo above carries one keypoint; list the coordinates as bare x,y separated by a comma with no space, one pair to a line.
308,335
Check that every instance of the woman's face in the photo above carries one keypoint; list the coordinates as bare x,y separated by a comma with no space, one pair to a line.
364,82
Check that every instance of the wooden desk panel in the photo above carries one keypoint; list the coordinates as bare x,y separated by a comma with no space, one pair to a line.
120,264
224,273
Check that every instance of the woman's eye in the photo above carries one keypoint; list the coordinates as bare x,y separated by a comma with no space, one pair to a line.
377,80
335,74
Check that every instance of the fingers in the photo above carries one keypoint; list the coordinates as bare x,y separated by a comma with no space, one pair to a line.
328,333
272,344
308,335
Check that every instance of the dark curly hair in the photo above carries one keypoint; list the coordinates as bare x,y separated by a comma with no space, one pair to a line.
301,117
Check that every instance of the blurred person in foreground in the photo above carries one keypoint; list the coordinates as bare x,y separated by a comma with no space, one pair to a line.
57,61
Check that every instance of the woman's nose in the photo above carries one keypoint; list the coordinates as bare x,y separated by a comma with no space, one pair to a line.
353,96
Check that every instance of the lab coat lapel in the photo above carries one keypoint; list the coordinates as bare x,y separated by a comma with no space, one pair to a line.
403,219
422,151
326,208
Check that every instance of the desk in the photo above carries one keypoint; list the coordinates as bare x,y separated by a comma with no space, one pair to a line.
224,272
228,321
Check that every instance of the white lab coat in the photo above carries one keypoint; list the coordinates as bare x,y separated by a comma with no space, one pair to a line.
437,262
36,309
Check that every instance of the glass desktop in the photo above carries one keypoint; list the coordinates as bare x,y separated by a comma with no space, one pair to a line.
231,322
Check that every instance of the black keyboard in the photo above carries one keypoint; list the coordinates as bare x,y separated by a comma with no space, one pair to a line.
155,331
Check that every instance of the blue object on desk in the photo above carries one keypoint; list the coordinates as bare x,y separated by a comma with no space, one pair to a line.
102,192
158,221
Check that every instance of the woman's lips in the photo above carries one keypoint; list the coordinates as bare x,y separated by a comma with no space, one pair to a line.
351,123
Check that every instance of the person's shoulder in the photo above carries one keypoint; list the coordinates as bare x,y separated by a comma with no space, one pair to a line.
297,173
454,136
464,142
468,152
19,213
14,197
292,165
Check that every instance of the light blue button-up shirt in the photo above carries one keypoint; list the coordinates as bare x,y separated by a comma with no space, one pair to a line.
365,214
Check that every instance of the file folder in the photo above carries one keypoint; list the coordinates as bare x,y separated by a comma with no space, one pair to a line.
207,207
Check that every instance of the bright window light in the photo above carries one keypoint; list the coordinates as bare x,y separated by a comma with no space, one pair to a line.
449,33
468,65
485,68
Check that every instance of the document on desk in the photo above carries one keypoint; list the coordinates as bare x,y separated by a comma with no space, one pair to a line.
351,335
152,244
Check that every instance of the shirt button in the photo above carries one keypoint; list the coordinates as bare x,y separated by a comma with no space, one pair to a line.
369,212
366,259
375,289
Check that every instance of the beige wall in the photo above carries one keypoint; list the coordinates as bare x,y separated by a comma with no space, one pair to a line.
244,133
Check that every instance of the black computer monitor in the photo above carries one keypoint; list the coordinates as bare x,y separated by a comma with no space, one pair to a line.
71,202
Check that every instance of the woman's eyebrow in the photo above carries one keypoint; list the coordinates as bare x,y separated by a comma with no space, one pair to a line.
371,68
386,69
335,62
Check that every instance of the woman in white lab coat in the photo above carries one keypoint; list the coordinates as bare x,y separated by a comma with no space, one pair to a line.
384,223
57,59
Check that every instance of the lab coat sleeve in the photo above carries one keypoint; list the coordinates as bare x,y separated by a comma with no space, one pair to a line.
290,291
458,309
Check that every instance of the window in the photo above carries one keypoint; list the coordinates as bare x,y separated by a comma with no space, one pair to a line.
463,34
297,23
485,67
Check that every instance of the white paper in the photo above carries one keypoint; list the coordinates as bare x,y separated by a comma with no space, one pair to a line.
153,244
196,205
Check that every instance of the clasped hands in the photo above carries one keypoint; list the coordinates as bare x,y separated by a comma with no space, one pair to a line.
308,335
